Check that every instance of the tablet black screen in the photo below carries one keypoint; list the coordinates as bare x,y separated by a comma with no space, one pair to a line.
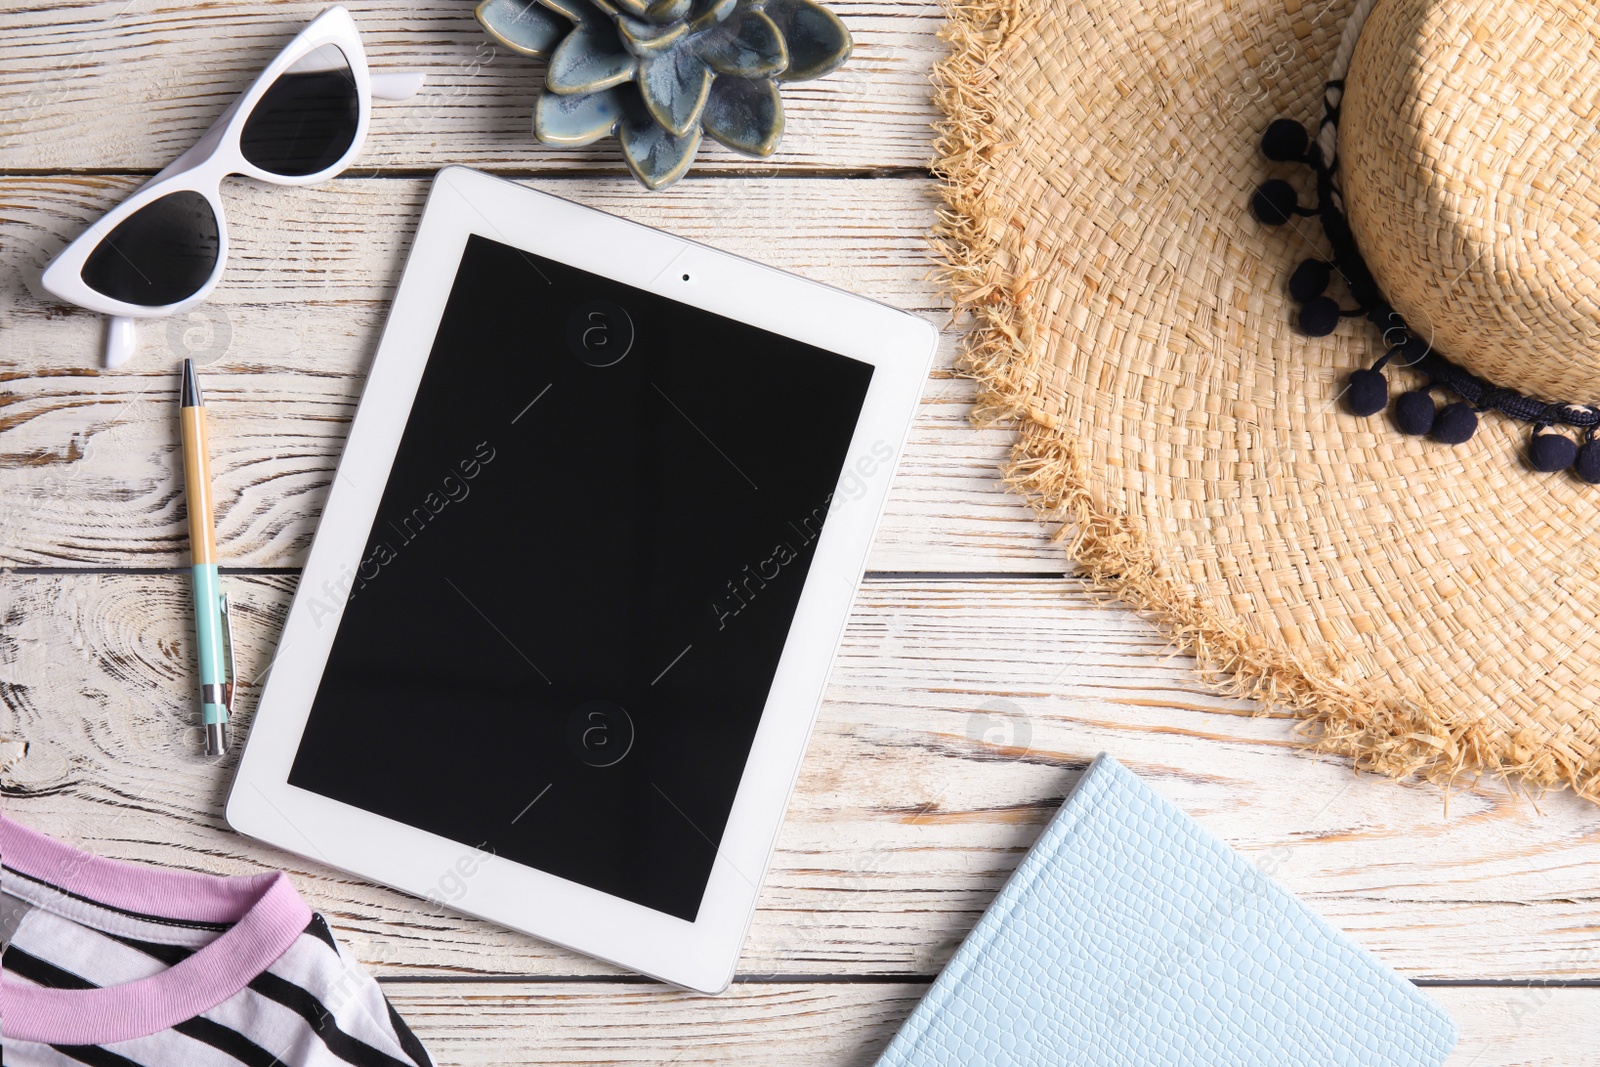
564,627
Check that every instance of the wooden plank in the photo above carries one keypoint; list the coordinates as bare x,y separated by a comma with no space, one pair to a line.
1524,1027
843,1024
86,457
805,1025
959,715
131,84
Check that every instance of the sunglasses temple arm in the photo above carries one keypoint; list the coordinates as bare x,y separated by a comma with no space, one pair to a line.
120,341
396,84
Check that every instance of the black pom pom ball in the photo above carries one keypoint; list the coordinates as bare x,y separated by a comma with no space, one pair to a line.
1275,202
1587,465
1319,317
1285,141
1368,392
1455,423
1414,412
1310,279
1551,450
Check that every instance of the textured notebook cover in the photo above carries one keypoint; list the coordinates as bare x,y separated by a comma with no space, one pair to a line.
1129,935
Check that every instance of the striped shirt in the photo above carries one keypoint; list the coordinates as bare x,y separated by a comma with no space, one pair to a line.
115,965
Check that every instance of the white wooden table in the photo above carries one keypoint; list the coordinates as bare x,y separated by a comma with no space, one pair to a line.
976,679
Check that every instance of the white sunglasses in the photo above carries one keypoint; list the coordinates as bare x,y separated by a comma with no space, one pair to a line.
162,250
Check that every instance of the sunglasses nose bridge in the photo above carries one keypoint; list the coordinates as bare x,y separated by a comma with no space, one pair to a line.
200,158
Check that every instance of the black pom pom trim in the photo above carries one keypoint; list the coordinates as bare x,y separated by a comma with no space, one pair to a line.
1551,451
1319,317
1414,413
1275,202
1368,392
1310,279
1587,465
1455,423
1285,141
1551,447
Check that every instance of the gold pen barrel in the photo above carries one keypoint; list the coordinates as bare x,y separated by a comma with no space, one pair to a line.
197,483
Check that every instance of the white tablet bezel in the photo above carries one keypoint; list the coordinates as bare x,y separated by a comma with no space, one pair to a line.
700,955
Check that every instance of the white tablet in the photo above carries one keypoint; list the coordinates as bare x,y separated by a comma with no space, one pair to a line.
558,648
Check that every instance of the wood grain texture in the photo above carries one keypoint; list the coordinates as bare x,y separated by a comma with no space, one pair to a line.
88,476
560,1023
960,714
130,84
849,1025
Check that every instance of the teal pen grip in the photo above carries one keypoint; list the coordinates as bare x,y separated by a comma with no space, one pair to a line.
208,642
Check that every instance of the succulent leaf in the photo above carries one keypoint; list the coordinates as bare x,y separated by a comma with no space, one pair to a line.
590,59
818,42
577,120
747,44
646,38
579,10
635,8
746,114
674,87
703,14
664,11
655,156
524,26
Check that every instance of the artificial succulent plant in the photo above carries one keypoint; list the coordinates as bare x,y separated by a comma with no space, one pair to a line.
658,72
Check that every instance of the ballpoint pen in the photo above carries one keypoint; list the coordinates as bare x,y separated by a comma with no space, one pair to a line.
212,617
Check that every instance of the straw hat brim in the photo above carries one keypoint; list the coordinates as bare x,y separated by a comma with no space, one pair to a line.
1430,609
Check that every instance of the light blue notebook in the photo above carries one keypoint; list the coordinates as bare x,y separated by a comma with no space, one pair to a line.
1131,936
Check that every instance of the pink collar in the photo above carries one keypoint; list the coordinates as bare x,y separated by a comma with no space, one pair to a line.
265,913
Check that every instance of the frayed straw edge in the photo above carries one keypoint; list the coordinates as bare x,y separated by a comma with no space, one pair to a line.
1399,736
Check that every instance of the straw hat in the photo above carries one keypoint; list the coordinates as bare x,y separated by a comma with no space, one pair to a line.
1332,434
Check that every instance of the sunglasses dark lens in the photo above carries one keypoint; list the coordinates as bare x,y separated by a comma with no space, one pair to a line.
306,120
163,253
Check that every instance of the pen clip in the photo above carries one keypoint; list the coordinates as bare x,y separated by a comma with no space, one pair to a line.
227,641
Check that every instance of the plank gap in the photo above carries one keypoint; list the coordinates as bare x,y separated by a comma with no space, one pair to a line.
967,576
27,569
1506,983
639,979
294,572
890,979
532,173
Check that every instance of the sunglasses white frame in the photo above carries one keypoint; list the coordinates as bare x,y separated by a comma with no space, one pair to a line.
215,156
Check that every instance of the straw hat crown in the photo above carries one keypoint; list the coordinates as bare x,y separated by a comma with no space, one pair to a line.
1470,165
